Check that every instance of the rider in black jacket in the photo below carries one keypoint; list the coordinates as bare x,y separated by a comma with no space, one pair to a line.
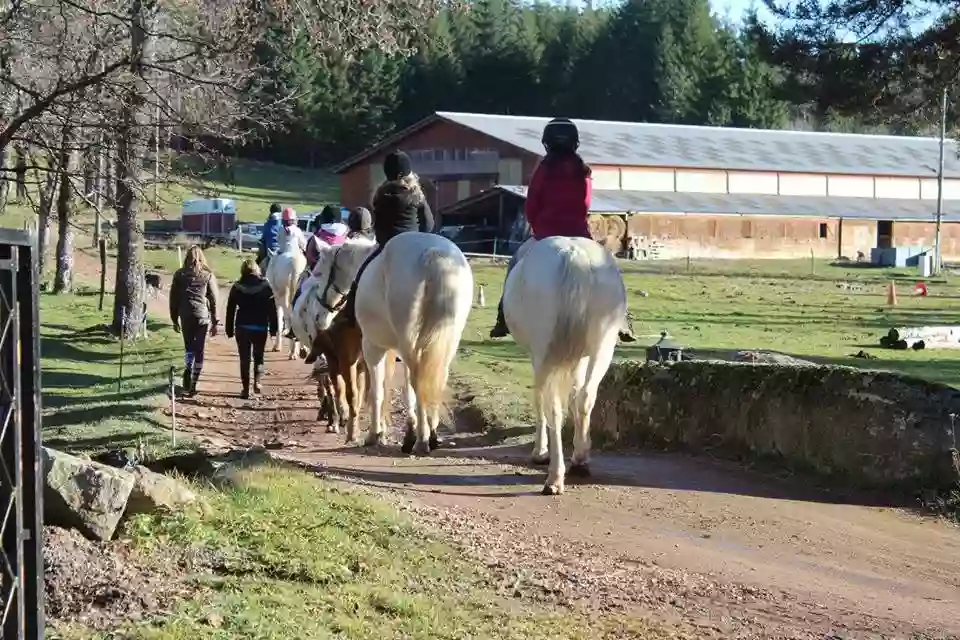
399,205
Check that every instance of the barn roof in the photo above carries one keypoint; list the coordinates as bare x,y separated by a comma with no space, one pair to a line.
820,207
642,144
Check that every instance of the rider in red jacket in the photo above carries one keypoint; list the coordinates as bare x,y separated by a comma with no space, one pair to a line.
558,198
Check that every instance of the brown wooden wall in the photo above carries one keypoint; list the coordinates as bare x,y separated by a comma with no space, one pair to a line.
355,181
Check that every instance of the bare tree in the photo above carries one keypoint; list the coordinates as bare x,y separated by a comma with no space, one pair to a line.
122,70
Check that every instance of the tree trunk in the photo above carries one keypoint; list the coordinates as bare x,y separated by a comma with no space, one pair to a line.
63,280
4,180
21,174
109,176
128,288
45,208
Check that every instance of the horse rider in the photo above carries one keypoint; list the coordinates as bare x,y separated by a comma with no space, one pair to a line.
327,231
269,242
288,220
399,205
360,222
558,200
251,314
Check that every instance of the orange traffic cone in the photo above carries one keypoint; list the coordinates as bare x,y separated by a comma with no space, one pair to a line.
892,294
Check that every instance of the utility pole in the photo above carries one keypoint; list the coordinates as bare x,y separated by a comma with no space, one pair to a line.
937,256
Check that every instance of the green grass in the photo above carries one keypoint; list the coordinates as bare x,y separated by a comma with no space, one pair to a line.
84,411
732,305
296,558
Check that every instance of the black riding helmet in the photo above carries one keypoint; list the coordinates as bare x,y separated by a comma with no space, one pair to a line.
561,134
360,219
275,208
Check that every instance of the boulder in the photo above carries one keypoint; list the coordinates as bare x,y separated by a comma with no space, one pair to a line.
156,493
82,494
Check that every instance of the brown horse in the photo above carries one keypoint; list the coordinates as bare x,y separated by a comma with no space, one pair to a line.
345,382
341,387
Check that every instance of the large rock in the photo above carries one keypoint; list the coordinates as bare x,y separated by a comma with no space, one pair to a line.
156,493
82,494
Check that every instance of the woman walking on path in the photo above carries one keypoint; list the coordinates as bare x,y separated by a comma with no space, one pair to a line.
193,311
251,313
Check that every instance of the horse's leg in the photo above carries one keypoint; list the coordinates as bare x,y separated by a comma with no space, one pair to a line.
541,453
586,396
386,410
374,357
353,400
410,435
323,413
280,329
343,397
333,409
553,406
291,355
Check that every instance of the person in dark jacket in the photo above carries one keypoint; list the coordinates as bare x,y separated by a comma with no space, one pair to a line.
268,239
558,199
251,314
360,223
193,311
399,205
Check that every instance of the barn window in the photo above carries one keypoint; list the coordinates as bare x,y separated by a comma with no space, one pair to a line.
823,229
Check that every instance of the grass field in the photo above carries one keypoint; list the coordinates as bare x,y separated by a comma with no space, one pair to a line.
84,410
294,558
734,305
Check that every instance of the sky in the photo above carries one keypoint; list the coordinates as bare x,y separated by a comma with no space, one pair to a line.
737,8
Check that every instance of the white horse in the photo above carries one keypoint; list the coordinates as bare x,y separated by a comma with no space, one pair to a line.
565,303
413,299
323,295
282,273
325,292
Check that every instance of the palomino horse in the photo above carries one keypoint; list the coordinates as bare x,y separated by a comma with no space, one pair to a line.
339,391
413,299
283,271
565,303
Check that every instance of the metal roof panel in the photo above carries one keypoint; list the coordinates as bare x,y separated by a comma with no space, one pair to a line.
702,147
606,201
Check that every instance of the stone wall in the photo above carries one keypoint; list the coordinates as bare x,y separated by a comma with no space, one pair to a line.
870,429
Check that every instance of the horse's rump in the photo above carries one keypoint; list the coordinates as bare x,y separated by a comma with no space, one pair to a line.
562,300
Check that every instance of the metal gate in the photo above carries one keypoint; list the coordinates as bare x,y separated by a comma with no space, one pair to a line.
21,480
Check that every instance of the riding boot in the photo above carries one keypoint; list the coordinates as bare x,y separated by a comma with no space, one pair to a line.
193,383
626,333
186,382
500,329
245,383
257,374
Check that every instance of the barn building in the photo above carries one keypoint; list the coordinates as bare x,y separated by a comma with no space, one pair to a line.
682,190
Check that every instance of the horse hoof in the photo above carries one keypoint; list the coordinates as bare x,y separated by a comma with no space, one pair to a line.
421,448
435,441
371,440
275,349
539,461
332,430
552,490
409,440
579,470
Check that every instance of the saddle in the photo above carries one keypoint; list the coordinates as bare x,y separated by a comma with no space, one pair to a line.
266,259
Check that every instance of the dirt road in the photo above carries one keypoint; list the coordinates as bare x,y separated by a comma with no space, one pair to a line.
712,549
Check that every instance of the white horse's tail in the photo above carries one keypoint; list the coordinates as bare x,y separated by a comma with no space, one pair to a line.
437,334
572,331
